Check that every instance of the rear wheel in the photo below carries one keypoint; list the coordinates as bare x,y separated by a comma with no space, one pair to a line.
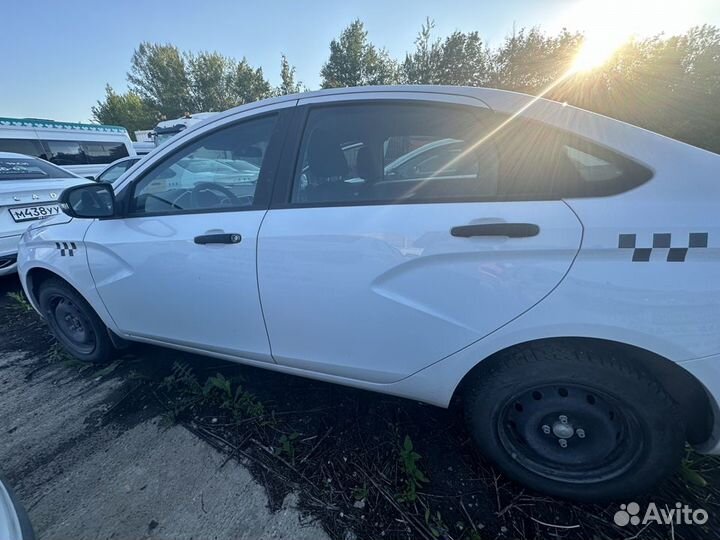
74,323
574,422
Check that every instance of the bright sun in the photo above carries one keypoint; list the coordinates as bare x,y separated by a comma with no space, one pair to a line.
608,24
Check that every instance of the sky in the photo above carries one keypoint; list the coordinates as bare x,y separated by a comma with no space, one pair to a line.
57,56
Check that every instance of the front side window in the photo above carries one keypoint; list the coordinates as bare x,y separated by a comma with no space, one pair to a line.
383,153
217,171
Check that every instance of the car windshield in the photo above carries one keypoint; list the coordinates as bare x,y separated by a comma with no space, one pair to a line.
29,169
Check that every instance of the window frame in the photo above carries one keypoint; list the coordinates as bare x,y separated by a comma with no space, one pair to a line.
266,177
283,188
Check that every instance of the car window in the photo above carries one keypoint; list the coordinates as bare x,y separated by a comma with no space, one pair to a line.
116,171
385,153
391,152
66,153
29,169
104,152
28,147
218,171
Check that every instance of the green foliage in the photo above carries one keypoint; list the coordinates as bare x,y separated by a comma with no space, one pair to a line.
287,447
354,61
158,74
360,493
435,523
217,391
21,302
248,84
210,75
693,466
287,78
413,475
127,110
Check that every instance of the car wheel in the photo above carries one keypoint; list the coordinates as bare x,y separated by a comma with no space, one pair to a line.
74,323
574,422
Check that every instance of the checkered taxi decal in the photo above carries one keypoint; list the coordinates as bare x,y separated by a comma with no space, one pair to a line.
66,248
662,241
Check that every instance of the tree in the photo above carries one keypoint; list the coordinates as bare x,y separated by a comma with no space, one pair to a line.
210,75
354,61
287,78
127,110
459,60
423,65
158,75
247,84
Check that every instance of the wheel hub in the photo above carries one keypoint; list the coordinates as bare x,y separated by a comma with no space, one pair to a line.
71,324
563,430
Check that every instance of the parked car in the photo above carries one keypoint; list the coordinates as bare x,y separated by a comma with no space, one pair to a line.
83,149
167,129
29,189
116,169
552,271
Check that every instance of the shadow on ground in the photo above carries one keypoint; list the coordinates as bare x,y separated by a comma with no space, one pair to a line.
363,465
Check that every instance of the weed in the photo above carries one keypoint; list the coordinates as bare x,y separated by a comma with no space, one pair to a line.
21,301
287,447
435,523
360,493
414,477
691,468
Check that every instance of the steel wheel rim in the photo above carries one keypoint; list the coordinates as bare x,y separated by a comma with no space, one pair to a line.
570,432
72,324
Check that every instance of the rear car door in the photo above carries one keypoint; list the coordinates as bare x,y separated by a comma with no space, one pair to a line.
179,267
393,246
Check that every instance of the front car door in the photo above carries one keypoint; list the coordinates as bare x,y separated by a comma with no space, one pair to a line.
180,266
395,244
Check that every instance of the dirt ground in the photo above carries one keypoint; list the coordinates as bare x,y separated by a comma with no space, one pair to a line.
162,444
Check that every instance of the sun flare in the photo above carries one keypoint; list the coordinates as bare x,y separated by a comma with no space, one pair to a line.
609,24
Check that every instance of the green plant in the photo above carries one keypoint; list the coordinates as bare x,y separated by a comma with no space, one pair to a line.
21,301
691,468
414,477
287,446
435,523
360,493
240,403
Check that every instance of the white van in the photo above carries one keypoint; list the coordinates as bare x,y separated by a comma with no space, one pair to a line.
84,149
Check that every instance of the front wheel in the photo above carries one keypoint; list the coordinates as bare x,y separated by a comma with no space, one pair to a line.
74,323
573,422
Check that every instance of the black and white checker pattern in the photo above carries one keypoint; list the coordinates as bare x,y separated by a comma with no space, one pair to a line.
66,248
662,241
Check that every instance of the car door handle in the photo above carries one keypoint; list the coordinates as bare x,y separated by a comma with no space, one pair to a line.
510,230
221,238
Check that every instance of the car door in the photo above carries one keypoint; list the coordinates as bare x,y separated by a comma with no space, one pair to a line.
393,245
180,266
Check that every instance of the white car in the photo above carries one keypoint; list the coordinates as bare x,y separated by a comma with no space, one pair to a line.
558,275
29,189
116,169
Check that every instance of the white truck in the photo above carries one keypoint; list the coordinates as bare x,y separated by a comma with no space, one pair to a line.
167,129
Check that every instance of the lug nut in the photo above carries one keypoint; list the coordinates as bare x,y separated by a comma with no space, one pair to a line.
546,429
563,443
580,433
563,418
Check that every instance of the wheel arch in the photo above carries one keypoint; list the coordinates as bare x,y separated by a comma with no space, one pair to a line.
684,388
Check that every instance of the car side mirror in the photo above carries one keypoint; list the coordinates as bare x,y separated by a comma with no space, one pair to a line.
88,201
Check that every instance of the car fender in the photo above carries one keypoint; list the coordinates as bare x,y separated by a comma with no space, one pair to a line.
61,250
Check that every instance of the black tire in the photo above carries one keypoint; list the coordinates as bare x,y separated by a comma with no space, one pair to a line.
74,323
622,432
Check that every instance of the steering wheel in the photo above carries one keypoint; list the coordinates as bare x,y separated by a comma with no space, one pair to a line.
230,198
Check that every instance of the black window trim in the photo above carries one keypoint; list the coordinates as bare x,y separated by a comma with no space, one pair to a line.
266,179
282,191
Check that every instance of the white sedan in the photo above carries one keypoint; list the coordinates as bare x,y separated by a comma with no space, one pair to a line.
29,188
553,269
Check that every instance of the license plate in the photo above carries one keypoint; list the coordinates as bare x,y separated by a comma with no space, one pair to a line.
28,213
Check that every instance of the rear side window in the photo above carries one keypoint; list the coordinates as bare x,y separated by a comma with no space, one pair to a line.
385,153
28,147
391,153
104,152
84,152
29,169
